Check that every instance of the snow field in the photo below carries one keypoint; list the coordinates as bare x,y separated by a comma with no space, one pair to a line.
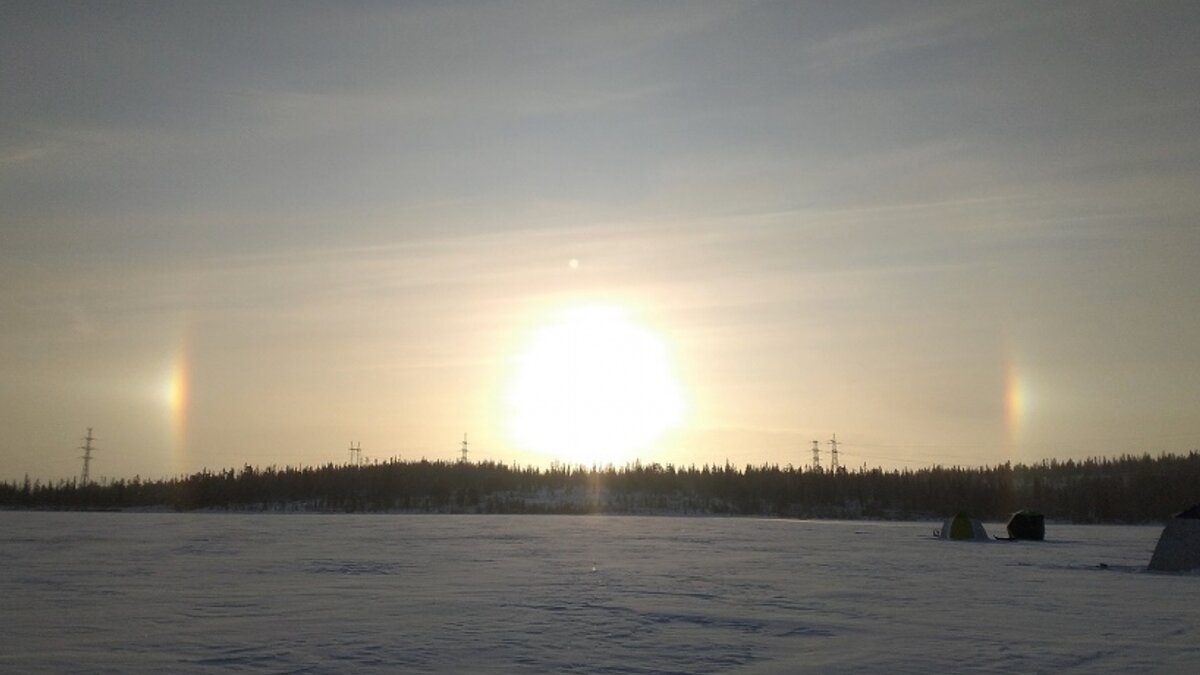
304,593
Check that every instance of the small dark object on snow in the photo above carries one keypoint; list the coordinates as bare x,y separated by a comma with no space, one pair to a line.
1027,525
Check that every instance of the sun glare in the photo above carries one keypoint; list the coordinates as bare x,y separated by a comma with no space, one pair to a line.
593,387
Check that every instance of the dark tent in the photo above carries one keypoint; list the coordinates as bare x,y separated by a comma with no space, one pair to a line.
1179,545
1027,525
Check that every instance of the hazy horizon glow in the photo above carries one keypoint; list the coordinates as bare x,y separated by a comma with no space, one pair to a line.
948,232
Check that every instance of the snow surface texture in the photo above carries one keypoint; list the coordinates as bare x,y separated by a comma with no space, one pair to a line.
141,592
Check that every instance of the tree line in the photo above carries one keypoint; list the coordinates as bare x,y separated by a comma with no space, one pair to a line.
1126,489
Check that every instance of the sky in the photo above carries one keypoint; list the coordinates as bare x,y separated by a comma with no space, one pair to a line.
957,233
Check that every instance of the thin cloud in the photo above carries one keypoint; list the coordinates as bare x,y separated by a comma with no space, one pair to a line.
28,154
933,25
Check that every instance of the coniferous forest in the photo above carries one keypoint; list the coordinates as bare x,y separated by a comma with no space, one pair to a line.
1128,489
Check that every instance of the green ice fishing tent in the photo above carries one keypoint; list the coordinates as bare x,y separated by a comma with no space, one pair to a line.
963,528
1179,544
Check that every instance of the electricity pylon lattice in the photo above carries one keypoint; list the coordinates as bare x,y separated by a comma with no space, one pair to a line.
87,457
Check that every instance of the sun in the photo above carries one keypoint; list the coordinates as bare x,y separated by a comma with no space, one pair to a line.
594,387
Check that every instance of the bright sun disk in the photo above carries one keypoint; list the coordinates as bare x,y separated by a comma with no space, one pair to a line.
593,387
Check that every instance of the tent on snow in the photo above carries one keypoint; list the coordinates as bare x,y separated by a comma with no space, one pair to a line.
1027,525
963,528
1179,545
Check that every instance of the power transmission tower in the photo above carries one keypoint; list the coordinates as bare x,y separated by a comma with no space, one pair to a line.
355,453
87,457
833,456
463,459
816,464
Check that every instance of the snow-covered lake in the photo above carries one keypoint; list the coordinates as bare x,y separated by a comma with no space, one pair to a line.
288,593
